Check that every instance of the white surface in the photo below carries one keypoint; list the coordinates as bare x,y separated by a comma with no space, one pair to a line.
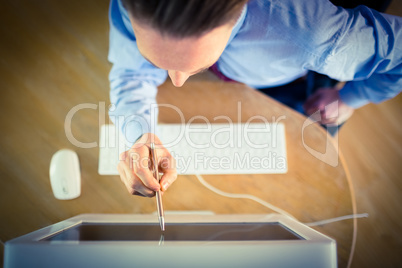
316,250
65,175
256,148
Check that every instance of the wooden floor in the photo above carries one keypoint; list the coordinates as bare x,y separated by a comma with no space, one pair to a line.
41,42
371,142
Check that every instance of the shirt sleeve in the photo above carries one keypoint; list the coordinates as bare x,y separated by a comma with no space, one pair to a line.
133,80
368,54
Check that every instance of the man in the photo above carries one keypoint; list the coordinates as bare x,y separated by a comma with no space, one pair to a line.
262,43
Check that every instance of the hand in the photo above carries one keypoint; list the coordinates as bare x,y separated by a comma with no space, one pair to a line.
134,167
333,111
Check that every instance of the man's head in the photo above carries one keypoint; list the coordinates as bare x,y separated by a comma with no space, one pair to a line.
183,36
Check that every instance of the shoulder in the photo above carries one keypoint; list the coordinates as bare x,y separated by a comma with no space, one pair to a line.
119,19
312,25
297,14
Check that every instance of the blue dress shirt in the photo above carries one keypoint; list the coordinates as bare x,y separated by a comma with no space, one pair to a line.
273,43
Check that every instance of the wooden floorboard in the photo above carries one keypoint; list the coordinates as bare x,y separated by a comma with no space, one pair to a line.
371,144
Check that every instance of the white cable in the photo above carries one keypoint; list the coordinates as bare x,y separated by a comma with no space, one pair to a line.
342,218
246,196
274,208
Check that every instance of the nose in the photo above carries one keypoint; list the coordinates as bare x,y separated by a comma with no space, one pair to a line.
178,78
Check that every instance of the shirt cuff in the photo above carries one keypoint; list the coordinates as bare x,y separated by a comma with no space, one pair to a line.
134,127
352,97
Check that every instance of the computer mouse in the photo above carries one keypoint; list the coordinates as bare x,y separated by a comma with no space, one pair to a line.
65,175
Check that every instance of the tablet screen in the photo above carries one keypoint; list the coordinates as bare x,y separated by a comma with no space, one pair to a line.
175,232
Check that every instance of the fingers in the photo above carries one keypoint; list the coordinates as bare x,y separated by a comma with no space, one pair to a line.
141,167
132,182
314,103
135,168
327,102
326,118
167,165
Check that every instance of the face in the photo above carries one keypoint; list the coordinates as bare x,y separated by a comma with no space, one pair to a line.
181,57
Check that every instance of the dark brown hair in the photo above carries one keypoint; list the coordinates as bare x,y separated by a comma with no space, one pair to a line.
184,18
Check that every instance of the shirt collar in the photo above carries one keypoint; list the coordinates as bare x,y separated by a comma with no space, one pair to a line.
239,23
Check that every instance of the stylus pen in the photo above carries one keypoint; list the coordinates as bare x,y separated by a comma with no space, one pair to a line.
158,194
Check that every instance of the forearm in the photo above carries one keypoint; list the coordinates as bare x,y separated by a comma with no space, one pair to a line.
375,89
368,54
134,110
